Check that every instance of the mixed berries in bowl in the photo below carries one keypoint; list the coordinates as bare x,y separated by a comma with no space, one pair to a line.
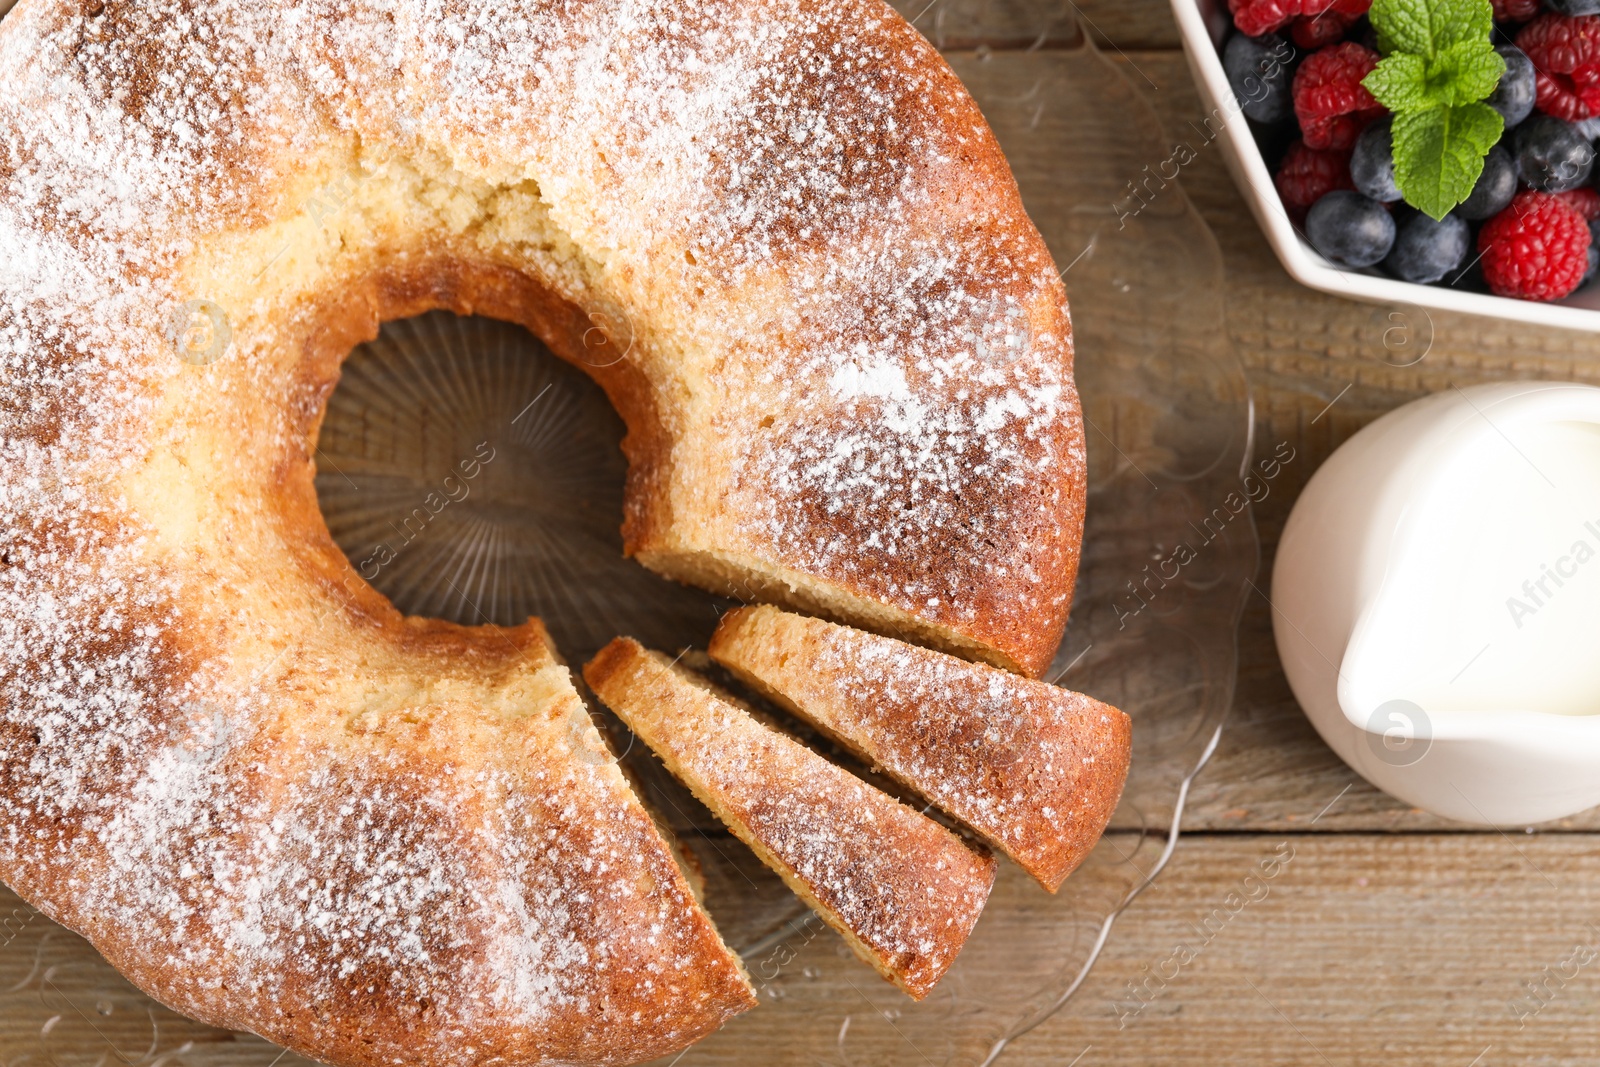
1446,143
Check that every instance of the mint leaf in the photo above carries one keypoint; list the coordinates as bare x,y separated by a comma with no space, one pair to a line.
1400,83
1438,154
1454,21
1428,27
1465,72
1403,26
1438,63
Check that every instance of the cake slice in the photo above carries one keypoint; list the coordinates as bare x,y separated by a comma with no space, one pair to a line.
1035,769
903,891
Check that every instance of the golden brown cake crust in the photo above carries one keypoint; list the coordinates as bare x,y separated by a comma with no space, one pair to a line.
799,278
903,890
1035,769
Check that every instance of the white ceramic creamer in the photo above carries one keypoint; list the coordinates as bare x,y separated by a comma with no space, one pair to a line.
1436,602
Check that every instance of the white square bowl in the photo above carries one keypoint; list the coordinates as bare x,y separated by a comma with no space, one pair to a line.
1205,25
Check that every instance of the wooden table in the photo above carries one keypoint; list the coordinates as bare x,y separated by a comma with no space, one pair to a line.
1392,936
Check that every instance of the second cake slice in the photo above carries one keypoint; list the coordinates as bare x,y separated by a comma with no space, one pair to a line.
903,891
1034,768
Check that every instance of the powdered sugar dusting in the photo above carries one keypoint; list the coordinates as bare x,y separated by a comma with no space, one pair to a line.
180,773
905,887
782,164
946,466
1036,769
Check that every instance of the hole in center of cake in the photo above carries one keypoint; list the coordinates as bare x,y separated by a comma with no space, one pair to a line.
471,475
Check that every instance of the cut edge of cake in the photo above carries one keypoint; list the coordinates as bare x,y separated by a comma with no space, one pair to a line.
663,703
785,658
748,578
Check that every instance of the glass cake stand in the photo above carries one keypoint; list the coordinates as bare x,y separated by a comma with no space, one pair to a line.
1167,559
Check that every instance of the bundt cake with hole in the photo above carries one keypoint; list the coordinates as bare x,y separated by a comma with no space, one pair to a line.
903,891
1035,769
779,235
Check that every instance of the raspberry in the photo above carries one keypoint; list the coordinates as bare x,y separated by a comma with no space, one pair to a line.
1256,17
1584,199
1329,100
1309,174
1515,10
1536,249
1313,32
1566,57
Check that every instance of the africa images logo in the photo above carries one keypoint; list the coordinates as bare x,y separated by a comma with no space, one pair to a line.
1539,590
1399,733
199,331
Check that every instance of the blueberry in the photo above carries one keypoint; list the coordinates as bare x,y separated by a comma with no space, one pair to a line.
1494,189
1514,96
1350,229
1372,162
1425,250
1258,70
1574,7
1551,154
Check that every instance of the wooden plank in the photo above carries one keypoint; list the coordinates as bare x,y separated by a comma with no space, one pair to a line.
1395,949
1470,950
1253,949
1412,949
